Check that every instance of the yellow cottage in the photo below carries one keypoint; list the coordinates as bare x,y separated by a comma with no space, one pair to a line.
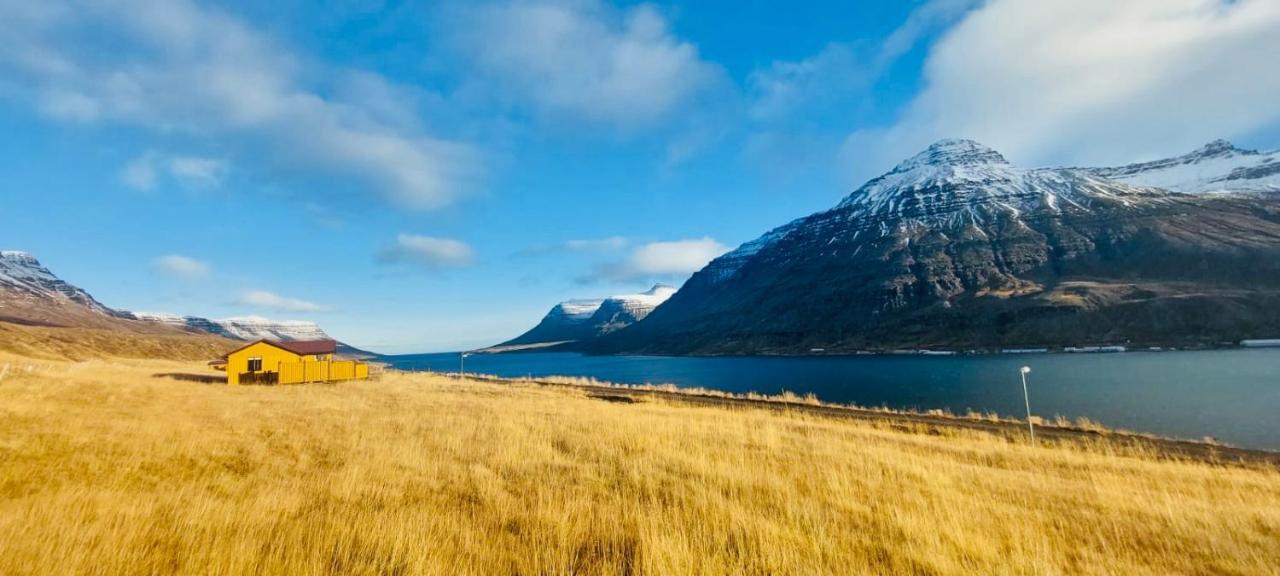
279,362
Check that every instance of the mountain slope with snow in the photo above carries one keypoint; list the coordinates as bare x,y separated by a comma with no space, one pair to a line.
957,248
582,320
1216,167
618,312
566,322
240,328
23,277
31,294
249,328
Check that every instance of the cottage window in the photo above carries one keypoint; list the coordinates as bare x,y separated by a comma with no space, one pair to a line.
255,364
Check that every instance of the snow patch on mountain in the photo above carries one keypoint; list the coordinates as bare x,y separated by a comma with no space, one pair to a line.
578,320
1217,167
21,274
960,182
239,328
727,265
576,310
649,299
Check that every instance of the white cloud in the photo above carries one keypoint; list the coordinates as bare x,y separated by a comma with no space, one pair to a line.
198,172
604,245
1091,81
271,300
183,267
583,58
174,67
140,173
657,260
597,244
70,106
428,252
785,87
143,172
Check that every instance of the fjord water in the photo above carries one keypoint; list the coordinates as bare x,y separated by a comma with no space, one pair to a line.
1231,395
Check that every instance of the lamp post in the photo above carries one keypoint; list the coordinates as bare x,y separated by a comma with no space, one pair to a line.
1026,400
462,364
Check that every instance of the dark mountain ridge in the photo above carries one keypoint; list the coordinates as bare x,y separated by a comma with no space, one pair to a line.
578,321
955,248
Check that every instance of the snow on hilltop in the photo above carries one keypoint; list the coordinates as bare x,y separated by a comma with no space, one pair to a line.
577,320
240,328
955,247
576,310
1214,168
957,182
23,276
952,177
649,299
30,292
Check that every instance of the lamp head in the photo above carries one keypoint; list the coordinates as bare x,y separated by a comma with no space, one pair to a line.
1026,370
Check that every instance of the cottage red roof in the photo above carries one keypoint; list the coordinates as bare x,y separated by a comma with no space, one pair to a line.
307,346
301,347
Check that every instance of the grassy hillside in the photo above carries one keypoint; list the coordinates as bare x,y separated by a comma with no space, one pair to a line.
114,468
125,341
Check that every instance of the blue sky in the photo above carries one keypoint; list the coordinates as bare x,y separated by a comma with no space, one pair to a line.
434,176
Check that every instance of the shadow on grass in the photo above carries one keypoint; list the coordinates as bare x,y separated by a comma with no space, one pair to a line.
618,398
184,377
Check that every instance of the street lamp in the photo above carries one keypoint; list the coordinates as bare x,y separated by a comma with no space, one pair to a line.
1026,399
462,364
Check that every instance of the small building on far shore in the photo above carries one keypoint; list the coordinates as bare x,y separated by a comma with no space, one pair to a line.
290,362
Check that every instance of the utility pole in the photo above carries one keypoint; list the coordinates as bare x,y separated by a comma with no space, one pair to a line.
1026,400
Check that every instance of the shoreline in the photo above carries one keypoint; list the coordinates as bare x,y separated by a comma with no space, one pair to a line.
1009,428
562,348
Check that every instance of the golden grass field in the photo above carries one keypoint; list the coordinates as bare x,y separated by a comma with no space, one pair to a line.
61,343
108,469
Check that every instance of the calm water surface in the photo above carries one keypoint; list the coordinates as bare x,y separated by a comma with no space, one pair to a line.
1231,395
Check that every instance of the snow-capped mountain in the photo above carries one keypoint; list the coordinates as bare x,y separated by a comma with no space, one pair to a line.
249,328
31,294
1215,168
955,247
22,276
956,182
579,320
240,328
618,312
566,322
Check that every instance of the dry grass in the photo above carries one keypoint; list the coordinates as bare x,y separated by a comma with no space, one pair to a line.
105,469
50,342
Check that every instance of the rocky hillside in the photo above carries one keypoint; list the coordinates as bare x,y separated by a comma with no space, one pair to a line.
566,322
43,316
31,295
956,248
584,320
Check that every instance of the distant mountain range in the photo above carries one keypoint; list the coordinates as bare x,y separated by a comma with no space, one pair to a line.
250,328
31,294
578,321
955,248
1218,167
